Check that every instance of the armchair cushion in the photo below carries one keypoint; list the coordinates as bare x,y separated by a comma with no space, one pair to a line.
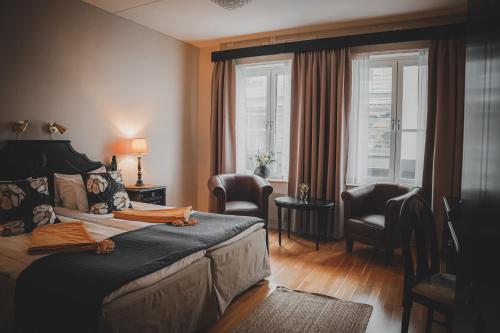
241,206
370,220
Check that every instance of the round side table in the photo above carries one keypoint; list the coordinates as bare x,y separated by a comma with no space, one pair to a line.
321,207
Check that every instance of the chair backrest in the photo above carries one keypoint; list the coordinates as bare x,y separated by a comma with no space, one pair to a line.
383,192
239,187
416,219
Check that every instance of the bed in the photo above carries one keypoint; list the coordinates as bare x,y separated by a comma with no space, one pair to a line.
181,297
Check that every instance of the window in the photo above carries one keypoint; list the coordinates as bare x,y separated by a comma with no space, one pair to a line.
388,117
263,115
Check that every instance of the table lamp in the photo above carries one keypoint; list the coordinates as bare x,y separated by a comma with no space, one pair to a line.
139,146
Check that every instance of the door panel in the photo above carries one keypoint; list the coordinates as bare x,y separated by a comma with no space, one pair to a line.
477,302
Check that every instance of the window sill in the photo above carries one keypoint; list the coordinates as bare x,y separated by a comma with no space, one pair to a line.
400,183
277,180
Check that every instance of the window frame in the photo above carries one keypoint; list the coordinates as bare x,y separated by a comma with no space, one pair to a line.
399,121
381,63
397,64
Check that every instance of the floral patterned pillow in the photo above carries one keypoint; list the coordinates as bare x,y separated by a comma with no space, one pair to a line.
106,192
24,205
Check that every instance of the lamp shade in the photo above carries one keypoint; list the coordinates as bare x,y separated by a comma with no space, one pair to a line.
139,146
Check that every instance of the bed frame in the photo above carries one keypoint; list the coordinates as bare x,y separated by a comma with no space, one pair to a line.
21,159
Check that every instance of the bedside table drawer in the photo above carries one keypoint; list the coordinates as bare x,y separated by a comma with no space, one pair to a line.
155,201
153,195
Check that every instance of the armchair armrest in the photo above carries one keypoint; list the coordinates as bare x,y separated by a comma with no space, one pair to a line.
356,200
393,207
216,188
263,191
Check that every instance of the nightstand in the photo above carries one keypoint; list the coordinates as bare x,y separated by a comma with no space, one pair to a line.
152,194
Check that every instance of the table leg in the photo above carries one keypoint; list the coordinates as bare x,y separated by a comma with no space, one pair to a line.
279,225
288,220
318,217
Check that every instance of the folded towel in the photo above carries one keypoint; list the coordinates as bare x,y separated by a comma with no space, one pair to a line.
177,216
66,237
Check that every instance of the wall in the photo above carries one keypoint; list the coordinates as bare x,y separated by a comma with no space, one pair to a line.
106,79
203,130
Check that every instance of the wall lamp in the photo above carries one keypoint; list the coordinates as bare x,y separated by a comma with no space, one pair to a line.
20,127
57,128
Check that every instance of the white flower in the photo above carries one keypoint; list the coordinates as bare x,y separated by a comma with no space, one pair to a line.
40,184
96,184
11,196
121,200
43,214
117,176
12,228
99,208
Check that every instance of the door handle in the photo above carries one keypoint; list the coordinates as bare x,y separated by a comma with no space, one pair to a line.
399,125
392,125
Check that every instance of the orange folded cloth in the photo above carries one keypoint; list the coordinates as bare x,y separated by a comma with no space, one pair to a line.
65,237
177,216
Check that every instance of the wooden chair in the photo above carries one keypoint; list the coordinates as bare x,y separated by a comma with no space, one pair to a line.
425,284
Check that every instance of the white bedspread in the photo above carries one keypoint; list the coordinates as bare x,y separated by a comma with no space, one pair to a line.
14,257
126,225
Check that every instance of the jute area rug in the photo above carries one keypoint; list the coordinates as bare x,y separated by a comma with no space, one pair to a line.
288,310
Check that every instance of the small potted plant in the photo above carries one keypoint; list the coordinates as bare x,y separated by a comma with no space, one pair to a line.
264,160
304,191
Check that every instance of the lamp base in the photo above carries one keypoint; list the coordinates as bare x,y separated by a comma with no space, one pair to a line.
139,181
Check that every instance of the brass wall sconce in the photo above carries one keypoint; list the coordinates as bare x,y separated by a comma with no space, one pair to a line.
56,128
21,126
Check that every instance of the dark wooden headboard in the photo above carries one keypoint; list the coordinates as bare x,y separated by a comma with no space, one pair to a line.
20,159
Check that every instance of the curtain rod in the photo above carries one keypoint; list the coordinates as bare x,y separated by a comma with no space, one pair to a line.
427,33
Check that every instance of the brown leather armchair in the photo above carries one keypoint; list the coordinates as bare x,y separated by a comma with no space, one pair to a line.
371,214
246,195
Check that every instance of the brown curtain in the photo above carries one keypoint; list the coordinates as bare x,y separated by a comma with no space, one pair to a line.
445,121
320,96
223,120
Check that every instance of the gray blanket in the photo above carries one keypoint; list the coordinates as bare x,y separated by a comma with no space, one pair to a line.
64,292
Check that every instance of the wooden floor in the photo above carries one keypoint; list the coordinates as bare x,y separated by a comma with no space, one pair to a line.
361,277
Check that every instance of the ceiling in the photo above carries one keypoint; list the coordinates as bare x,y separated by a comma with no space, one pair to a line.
194,21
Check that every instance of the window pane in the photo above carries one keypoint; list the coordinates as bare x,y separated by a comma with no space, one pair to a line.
281,126
379,121
408,155
410,97
256,92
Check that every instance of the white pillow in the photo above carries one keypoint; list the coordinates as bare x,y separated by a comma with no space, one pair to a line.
69,191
